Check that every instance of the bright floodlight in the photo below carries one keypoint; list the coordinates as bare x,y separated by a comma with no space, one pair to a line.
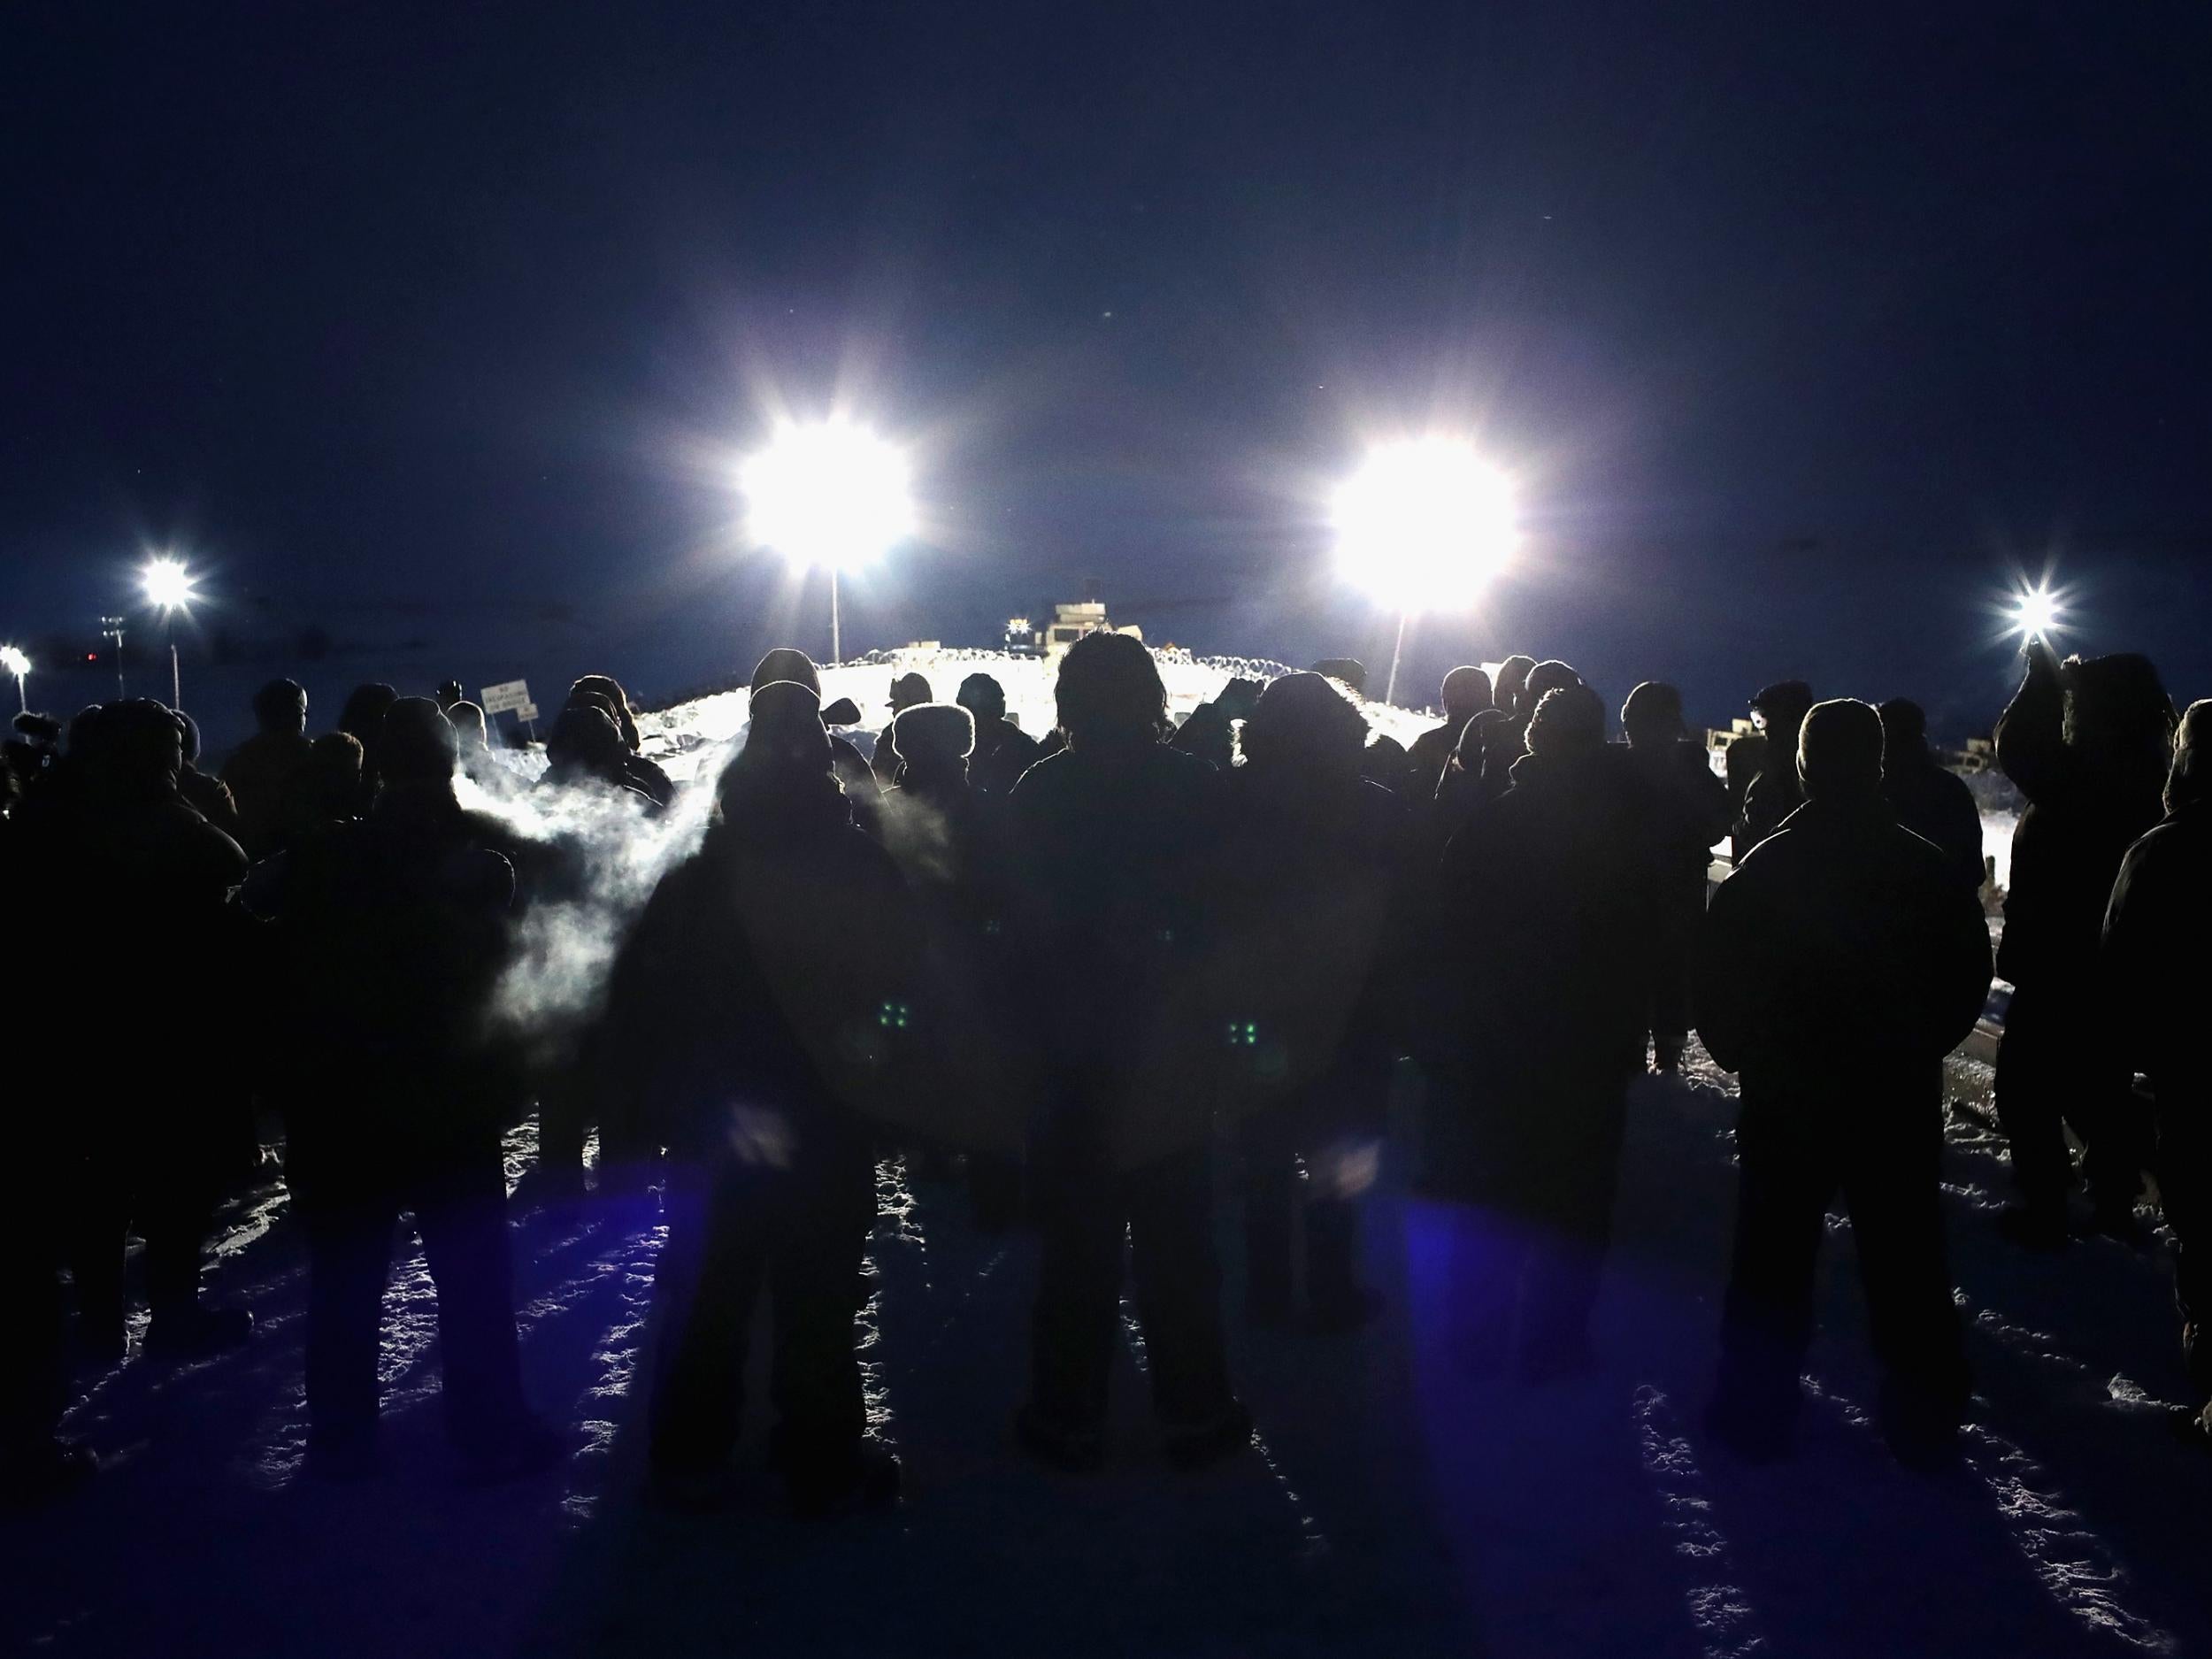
2035,614
1424,524
168,585
13,662
833,495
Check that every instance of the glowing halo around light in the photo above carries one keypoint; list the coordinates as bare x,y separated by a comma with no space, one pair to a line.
829,495
1424,524
167,584
13,662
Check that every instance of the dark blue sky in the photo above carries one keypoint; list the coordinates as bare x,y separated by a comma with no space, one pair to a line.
1801,326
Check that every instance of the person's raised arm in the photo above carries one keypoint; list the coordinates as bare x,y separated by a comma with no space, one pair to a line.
2031,732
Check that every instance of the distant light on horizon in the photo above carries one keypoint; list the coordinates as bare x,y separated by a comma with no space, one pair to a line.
168,584
830,495
1425,524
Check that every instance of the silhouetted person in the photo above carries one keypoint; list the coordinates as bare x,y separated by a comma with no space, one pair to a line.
1929,799
1004,751
1117,833
1552,896
1466,694
2089,745
478,759
1762,768
585,750
129,873
1310,864
1503,750
1210,732
588,763
1348,671
749,1014
1507,690
1689,813
1836,967
267,773
639,772
952,843
394,931
363,716
2160,982
209,796
851,766
907,690
1383,762
36,1464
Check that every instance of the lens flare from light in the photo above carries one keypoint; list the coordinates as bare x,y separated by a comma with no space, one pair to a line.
2035,614
830,495
13,662
1424,524
167,584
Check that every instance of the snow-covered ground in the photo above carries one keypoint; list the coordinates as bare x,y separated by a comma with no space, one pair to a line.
1390,1504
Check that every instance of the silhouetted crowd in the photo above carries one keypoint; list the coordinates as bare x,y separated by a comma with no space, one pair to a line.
1089,975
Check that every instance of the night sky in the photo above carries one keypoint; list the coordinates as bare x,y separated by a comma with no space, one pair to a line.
1801,336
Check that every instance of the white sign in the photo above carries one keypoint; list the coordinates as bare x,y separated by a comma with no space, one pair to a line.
510,694
525,712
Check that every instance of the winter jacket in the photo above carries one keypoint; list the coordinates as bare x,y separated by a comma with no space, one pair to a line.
1843,948
2084,811
1552,892
1004,751
1934,803
1311,901
771,971
270,777
2157,975
1115,842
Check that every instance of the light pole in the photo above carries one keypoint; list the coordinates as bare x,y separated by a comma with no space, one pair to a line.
832,495
169,588
111,631
13,662
1422,524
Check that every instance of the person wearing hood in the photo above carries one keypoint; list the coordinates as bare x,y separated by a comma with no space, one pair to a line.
1116,835
2158,982
393,931
640,773
1930,800
1312,864
585,750
1464,694
850,766
1551,897
2089,743
1004,751
1762,768
1836,967
1690,813
755,1016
